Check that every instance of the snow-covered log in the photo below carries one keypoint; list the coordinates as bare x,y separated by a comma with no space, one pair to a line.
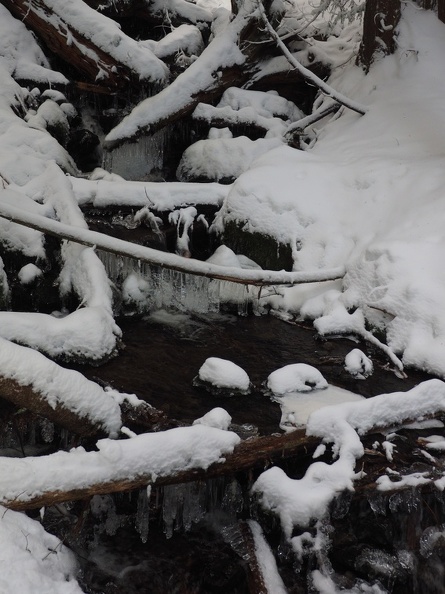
379,30
165,259
225,62
91,43
171,457
154,12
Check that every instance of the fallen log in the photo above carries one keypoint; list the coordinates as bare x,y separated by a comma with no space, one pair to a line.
100,52
155,13
258,452
165,259
227,61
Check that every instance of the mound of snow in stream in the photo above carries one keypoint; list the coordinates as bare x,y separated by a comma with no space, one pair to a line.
224,374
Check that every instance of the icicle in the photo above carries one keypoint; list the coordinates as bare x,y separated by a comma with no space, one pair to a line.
170,509
142,514
233,536
47,430
138,160
233,501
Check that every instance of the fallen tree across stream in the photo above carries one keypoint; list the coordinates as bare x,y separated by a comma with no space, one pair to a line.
164,259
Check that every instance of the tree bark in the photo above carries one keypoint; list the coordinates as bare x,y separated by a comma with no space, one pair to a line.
379,30
441,10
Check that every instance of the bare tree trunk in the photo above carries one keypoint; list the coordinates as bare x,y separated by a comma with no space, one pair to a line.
379,24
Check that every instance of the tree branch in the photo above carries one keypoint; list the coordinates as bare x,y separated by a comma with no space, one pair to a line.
306,73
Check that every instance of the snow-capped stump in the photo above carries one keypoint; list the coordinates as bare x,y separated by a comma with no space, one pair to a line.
222,377
218,418
358,364
297,377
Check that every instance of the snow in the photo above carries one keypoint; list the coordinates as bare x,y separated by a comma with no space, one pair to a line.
222,373
222,158
298,501
217,417
29,273
358,364
364,197
296,407
378,200
106,35
150,455
297,377
31,560
59,387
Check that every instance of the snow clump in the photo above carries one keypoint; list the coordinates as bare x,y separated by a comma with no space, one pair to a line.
358,364
224,374
29,273
298,377
218,418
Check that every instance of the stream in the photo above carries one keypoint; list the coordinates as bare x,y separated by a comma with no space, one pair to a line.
185,538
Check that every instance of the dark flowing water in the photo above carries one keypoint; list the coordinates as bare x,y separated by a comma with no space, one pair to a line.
163,353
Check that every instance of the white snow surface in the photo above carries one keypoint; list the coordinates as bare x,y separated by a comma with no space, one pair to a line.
297,377
358,364
297,502
33,561
222,373
368,195
58,386
217,417
296,407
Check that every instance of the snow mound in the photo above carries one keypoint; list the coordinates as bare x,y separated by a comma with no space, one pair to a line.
32,560
297,377
217,417
224,374
358,364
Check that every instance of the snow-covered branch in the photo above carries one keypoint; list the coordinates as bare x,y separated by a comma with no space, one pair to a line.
306,73
164,259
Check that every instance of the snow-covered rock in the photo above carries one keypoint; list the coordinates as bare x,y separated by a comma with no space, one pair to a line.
297,377
224,375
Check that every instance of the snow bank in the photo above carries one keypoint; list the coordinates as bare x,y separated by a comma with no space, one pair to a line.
31,560
368,195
